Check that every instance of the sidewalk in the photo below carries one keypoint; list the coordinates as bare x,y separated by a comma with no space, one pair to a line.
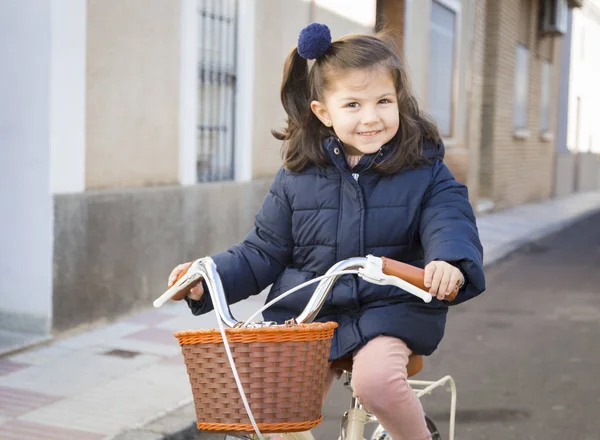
127,380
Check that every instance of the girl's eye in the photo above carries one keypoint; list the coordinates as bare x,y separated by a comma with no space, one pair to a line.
385,101
352,105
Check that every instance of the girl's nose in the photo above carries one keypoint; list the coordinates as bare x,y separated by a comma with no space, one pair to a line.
369,116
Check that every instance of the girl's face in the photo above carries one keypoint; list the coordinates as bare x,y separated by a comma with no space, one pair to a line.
362,108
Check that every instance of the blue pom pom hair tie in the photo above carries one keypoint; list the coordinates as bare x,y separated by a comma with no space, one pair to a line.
314,40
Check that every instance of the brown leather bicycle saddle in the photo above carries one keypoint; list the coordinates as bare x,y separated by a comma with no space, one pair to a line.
415,364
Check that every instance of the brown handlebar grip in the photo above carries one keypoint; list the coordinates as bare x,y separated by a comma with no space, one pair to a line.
182,293
414,275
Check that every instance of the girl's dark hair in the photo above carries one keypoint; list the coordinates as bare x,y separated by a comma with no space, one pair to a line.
304,132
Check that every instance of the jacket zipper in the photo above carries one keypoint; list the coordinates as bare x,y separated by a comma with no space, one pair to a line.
361,202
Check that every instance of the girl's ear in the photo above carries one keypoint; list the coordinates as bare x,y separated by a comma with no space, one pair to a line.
321,112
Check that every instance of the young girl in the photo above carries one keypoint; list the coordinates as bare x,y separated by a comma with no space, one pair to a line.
362,174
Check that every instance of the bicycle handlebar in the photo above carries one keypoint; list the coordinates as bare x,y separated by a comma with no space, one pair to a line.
203,268
414,275
377,270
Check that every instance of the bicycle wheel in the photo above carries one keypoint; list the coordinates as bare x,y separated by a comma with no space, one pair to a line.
306,435
435,433
381,434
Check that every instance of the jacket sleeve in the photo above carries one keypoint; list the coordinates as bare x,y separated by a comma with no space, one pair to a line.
250,266
448,230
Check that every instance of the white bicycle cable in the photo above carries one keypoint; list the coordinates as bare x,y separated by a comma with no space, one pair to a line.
266,306
295,289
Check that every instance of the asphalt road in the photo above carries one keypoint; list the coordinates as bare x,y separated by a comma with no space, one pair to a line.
526,354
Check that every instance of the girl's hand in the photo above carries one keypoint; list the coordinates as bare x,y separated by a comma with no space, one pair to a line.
195,292
443,279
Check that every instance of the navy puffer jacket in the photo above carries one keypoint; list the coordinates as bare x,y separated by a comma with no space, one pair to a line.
312,219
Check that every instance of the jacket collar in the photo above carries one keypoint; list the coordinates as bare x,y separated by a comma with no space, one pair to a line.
431,151
334,148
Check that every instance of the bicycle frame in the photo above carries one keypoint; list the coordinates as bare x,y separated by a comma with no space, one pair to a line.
354,420
369,268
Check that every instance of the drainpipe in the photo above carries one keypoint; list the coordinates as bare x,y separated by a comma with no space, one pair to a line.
469,94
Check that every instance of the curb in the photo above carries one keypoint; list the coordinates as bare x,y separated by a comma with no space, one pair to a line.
169,424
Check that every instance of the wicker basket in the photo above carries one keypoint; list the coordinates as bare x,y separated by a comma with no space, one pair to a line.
282,370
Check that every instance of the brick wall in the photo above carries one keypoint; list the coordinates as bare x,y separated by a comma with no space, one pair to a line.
514,171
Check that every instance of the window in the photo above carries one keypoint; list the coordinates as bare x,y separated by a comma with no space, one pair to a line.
216,89
442,44
522,57
521,87
545,101
553,17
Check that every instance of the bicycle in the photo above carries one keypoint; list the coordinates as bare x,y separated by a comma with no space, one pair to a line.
378,270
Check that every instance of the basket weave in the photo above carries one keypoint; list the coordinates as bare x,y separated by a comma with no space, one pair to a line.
282,370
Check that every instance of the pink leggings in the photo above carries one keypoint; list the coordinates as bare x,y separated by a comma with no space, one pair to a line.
379,381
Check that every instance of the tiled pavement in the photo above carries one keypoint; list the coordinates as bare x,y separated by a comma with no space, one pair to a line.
99,383
91,385
121,377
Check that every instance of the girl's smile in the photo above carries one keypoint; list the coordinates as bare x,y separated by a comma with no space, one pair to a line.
369,134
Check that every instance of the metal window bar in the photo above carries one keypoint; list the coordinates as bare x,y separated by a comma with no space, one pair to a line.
217,33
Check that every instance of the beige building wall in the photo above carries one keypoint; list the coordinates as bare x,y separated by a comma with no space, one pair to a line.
277,26
515,169
132,93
